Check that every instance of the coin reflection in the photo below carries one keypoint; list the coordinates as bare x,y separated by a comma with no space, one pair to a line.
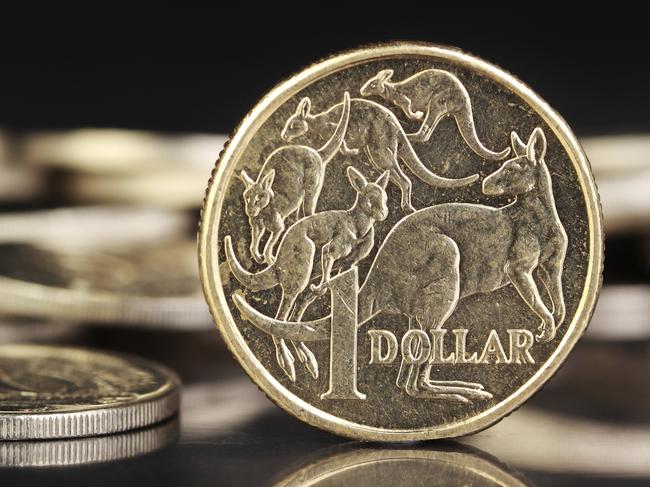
448,465
88,450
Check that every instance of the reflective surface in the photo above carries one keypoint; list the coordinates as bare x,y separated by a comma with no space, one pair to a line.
589,426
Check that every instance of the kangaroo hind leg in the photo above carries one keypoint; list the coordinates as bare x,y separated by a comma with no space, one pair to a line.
283,355
435,113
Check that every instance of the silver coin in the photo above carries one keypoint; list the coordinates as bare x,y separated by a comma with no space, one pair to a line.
80,451
94,227
145,286
19,183
111,151
37,331
55,392
618,154
622,313
173,188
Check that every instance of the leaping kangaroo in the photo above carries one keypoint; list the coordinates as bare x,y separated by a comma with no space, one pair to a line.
338,234
375,130
430,96
441,254
291,177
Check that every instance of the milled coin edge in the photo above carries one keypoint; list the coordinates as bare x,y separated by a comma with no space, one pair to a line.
94,420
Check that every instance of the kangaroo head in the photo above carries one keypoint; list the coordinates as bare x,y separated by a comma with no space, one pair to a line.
371,197
519,174
377,84
298,123
257,194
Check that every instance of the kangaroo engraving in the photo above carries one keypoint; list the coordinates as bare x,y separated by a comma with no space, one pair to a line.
441,254
338,234
431,96
375,130
291,177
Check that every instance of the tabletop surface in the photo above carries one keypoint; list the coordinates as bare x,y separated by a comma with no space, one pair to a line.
588,426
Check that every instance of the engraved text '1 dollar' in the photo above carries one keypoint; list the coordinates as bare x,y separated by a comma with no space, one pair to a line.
401,242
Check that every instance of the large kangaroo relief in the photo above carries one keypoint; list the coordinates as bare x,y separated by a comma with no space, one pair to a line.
431,96
432,259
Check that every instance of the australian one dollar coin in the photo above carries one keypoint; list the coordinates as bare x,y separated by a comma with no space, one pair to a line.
401,242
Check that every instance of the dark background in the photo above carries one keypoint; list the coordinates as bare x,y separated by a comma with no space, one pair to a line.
201,70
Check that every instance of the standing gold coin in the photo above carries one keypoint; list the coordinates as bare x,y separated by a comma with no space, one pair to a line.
401,242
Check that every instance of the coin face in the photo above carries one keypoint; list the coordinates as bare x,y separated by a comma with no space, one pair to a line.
401,242
54,392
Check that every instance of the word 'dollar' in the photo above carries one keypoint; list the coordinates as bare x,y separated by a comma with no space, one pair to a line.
418,348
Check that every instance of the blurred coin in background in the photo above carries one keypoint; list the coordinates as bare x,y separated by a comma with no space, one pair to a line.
95,227
151,285
114,151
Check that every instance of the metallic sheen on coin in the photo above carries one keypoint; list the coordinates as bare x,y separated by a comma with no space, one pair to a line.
401,242
53,392
81,451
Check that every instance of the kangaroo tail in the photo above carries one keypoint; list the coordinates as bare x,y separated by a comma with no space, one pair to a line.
406,153
334,144
465,121
265,279
304,331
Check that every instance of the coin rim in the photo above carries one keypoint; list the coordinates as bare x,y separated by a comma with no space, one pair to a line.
90,450
222,174
93,420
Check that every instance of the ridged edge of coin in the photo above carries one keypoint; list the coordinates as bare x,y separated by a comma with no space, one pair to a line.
88,423
59,453
96,420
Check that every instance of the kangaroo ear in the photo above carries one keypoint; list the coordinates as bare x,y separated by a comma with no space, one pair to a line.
248,182
304,107
356,179
385,75
383,179
536,146
517,144
267,180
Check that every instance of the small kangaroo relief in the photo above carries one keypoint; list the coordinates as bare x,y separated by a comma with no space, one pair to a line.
290,179
431,96
338,234
435,257
374,130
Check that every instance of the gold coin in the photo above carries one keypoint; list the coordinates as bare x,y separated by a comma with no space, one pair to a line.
401,242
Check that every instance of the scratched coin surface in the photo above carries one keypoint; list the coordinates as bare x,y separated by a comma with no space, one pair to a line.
56,392
401,242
